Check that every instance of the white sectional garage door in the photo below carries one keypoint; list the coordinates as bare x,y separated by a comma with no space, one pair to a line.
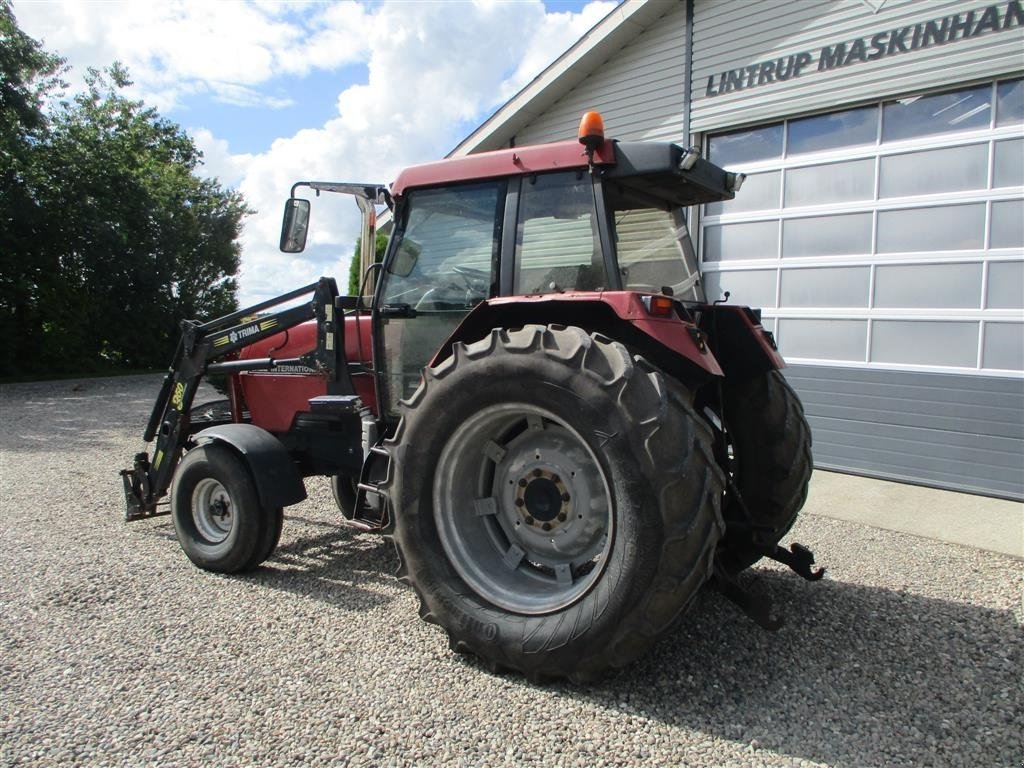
886,243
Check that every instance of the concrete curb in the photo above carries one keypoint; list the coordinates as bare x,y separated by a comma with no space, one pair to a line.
996,525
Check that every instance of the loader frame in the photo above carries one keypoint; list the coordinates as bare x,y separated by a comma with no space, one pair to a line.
212,348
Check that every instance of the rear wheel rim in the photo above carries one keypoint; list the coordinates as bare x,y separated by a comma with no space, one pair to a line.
523,508
213,511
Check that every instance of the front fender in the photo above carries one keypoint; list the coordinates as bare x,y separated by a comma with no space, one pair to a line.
277,480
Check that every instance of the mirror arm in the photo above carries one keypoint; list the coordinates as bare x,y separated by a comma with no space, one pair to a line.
368,242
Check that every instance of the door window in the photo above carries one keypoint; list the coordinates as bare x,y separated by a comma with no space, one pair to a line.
441,265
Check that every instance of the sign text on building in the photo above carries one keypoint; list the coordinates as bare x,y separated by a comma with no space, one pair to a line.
948,29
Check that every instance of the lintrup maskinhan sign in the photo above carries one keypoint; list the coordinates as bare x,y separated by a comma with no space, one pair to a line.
889,42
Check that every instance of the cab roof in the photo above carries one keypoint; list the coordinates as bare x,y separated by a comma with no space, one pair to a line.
645,168
562,155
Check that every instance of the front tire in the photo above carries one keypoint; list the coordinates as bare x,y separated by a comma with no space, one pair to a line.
343,488
217,515
556,502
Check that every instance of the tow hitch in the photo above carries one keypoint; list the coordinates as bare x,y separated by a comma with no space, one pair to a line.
758,607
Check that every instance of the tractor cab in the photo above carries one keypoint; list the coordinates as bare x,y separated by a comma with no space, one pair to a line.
566,219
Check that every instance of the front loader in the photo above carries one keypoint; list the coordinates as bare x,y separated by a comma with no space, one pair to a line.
564,439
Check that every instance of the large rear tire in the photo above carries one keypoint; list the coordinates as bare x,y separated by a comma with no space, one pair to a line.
771,442
557,504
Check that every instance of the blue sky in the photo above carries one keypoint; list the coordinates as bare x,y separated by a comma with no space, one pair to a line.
273,92
313,98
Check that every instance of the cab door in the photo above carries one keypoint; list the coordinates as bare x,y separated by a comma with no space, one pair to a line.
442,262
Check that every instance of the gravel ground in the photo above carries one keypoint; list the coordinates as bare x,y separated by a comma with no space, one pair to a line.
114,650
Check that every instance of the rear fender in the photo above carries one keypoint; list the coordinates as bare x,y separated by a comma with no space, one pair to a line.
673,344
741,345
278,482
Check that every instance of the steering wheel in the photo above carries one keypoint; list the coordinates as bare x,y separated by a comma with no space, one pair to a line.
476,279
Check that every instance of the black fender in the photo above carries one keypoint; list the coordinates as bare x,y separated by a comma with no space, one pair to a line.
278,482
741,345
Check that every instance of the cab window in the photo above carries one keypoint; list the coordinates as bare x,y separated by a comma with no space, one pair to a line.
557,245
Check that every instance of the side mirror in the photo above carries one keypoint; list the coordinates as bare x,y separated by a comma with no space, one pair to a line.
295,225
405,258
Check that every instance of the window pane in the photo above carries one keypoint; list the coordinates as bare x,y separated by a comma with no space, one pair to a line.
937,170
1009,170
556,245
832,287
759,191
918,342
833,183
827,235
823,339
654,250
938,113
1004,346
1010,102
755,288
732,150
928,285
839,129
756,240
942,228
1005,285
1007,224
445,229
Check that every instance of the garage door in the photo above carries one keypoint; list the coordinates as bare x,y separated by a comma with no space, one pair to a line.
885,244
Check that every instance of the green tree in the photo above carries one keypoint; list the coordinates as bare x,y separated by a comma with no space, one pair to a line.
355,279
28,76
122,239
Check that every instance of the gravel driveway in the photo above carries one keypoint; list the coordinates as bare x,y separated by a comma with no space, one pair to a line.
115,650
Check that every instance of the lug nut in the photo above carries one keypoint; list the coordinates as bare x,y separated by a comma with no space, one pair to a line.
561,517
522,482
529,520
519,502
565,497
556,479
546,526
537,472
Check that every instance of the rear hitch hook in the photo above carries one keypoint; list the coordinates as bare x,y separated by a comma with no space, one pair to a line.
800,559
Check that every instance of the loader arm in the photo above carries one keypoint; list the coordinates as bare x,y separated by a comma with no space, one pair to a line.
206,348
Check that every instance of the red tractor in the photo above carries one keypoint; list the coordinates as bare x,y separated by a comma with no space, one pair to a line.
563,437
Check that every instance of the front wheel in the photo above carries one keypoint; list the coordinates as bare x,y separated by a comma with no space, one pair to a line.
556,501
217,514
343,488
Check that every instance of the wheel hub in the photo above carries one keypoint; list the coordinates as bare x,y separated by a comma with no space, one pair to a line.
212,510
542,499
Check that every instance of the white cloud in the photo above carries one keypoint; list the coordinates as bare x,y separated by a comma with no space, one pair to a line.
177,47
431,67
218,162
